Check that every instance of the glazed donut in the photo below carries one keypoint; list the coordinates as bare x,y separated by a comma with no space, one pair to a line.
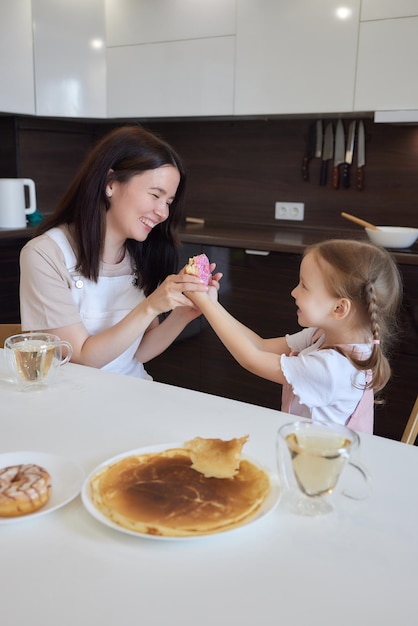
23,489
199,266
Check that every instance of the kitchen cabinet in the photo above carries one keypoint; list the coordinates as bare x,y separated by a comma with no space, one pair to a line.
171,58
400,393
271,58
17,94
70,58
10,247
385,9
176,58
387,59
295,57
179,78
257,292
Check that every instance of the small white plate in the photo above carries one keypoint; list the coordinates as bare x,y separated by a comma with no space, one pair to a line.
268,505
67,479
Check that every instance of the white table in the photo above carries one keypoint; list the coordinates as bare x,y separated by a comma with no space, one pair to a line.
358,566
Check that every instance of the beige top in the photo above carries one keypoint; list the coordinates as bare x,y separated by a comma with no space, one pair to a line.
45,284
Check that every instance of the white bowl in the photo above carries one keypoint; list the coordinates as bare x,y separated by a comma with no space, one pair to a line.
393,236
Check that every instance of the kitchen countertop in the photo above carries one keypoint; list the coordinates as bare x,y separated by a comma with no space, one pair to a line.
13,233
285,239
273,239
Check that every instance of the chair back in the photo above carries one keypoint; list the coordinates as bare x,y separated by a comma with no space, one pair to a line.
411,429
7,330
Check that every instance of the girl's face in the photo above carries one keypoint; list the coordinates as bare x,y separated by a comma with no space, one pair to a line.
314,301
137,206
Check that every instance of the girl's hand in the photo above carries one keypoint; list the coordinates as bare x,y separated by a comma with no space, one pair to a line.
214,282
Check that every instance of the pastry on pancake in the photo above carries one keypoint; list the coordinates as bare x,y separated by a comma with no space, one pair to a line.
199,266
161,494
216,458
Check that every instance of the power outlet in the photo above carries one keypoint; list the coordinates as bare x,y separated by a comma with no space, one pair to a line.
289,211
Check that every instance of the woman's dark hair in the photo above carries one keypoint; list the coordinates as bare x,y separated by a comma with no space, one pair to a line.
120,155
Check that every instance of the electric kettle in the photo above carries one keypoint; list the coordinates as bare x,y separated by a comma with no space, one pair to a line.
14,204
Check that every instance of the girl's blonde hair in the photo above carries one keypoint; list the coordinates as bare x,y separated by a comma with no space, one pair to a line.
368,276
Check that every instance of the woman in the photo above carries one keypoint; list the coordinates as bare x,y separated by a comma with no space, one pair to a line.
99,273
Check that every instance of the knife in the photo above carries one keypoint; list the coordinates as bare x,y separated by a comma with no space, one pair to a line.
339,154
310,151
361,156
319,139
327,153
349,153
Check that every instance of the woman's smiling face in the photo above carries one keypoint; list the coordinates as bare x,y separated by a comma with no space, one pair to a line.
315,303
138,205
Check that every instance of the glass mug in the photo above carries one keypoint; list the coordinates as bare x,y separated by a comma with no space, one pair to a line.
311,457
34,358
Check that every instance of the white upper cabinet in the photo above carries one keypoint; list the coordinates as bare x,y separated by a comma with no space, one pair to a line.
70,58
387,56
385,9
296,56
170,58
185,58
387,65
181,78
17,93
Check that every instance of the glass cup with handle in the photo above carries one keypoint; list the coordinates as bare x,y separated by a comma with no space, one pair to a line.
34,358
311,457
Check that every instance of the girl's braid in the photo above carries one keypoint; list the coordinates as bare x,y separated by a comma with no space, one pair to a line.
372,307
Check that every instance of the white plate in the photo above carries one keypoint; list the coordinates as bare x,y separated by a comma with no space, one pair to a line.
67,479
268,505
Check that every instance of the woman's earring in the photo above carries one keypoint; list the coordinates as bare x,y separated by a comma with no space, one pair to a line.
108,193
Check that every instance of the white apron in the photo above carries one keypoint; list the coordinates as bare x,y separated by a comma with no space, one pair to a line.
104,304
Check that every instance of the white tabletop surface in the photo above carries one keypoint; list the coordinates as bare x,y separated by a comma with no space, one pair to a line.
358,565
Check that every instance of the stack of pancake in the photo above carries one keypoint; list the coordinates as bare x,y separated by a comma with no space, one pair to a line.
204,487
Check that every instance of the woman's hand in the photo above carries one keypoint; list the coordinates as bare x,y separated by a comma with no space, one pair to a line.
169,295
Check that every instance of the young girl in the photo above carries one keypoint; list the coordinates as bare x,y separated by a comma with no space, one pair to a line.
347,300
100,270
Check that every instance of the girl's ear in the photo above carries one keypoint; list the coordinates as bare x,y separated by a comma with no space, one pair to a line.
342,308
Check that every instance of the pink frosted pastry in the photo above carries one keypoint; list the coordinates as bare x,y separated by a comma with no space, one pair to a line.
199,266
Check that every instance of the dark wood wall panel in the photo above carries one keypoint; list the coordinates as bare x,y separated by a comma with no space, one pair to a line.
8,147
50,153
237,169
